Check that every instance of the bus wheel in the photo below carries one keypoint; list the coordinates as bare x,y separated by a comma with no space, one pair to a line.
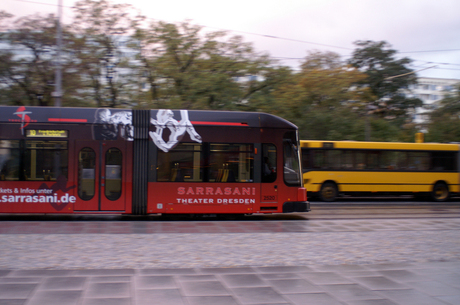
328,192
440,192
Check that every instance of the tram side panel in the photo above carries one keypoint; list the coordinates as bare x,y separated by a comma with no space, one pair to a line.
224,173
215,175
41,154
36,174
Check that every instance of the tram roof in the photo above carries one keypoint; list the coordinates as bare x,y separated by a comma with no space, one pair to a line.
89,115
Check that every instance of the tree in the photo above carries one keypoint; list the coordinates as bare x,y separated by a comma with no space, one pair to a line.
27,66
444,123
387,79
322,100
103,59
187,69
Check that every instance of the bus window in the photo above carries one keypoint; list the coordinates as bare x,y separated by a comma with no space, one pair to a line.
372,161
45,160
418,160
113,173
333,159
9,160
388,160
86,173
319,159
269,163
444,161
360,160
347,159
306,159
183,163
231,163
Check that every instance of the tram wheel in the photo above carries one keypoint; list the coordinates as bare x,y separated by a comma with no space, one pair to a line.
440,192
328,192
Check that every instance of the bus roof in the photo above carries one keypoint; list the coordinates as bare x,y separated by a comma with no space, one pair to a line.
378,145
14,114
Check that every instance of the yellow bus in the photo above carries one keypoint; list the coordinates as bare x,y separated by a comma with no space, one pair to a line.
335,168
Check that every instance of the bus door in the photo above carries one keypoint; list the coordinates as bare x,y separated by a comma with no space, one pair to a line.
100,175
269,188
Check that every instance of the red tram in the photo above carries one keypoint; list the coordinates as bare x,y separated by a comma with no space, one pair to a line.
88,160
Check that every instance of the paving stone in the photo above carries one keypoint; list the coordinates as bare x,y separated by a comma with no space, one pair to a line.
155,282
16,291
379,283
13,301
294,286
63,283
204,288
55,297
372,302
450,299
312,298
410,297
351,292
257,295
325,278
434,288
159,297
107,301
108,290
242,280
213,300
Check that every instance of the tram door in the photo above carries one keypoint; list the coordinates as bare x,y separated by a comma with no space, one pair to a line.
101,168
269,188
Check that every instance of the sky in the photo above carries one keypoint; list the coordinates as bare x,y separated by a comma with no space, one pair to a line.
427,31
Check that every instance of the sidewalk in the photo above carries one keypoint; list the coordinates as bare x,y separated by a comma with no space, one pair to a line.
342,261
376,284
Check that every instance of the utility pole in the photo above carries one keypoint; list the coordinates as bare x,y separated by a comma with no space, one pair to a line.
58,75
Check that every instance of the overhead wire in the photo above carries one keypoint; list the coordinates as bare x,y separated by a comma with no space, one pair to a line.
292,39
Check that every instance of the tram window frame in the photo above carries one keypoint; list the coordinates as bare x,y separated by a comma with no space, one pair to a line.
207,162
86,173
52,156
113,173
36,160
10,153
269,163
183,163
291,160
231,162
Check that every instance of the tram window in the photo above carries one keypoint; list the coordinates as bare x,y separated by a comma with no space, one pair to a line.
182,163
86,173
113,173
291,160
45,160
231,163
9,160
268,163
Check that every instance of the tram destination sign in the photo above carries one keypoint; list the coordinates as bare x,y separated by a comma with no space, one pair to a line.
46,133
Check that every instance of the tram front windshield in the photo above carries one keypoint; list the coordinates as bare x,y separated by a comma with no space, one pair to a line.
291,159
